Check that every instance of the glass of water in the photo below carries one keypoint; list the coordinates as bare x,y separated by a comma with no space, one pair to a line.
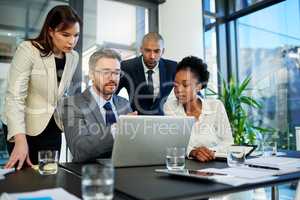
175,158
236,156
97,182
270,149
48,162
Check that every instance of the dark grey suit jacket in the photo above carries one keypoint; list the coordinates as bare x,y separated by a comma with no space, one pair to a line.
87,135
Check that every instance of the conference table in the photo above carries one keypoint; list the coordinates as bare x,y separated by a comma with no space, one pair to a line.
141,183
29,179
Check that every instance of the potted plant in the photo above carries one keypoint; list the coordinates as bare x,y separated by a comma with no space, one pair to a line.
237,103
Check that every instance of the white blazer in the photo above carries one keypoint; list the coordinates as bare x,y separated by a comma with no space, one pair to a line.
211,130
33,94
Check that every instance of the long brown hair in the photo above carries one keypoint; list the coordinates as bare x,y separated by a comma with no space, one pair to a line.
60,17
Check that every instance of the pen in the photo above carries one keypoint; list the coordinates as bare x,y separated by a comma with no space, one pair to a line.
264,167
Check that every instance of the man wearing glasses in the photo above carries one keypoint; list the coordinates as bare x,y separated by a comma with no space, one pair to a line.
89,118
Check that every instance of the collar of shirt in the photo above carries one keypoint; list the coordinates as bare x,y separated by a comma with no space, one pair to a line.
155,69
206,108
100,100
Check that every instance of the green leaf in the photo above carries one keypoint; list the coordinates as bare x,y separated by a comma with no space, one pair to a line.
264,130
236,100
244,85
250,101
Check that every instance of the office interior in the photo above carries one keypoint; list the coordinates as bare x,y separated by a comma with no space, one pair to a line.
237,39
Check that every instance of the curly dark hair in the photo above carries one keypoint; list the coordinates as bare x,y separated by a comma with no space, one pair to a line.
197,67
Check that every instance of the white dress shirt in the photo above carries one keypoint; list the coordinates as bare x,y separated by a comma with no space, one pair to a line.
211,130
101,102
155,77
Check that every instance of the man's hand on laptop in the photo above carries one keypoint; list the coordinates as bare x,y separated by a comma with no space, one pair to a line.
133,113
202,154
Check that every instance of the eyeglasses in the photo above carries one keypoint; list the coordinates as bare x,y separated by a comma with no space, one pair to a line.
108,73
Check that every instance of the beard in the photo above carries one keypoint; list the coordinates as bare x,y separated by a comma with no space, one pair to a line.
151,65
104,91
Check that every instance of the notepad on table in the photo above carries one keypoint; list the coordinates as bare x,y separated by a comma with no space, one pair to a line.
280,163
47,194
242,175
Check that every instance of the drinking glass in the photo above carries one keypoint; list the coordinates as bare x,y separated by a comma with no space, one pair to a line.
97,182
236,156
270,149
48,162
175,158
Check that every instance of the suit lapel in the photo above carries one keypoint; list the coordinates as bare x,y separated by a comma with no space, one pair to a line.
162,80
162,76
139,74
93,106
116,104
120,108
49,64
67,74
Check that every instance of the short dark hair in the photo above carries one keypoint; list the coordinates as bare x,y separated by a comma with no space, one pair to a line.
197,67
61,17
153,36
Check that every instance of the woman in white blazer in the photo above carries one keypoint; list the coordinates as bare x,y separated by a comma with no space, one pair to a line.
211,134
40,74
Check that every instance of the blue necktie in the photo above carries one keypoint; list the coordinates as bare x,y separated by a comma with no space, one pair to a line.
109,114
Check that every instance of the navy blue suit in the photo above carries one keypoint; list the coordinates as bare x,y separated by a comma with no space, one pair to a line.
134,81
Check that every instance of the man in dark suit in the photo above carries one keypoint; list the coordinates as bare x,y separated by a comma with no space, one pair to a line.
148,78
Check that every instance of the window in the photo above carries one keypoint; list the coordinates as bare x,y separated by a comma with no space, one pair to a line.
259,38
210,45
209,6
269,51
210,58
242,4
104,28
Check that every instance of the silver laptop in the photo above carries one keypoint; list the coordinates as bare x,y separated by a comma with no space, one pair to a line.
142,140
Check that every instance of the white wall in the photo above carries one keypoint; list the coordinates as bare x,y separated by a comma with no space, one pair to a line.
180,23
